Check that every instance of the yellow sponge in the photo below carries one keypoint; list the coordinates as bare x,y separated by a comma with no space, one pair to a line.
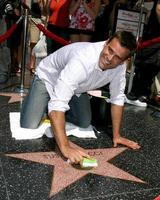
89,162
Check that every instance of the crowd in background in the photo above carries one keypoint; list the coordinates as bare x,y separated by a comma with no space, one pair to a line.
74,21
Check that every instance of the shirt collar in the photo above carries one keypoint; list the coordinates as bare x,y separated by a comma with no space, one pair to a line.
97,67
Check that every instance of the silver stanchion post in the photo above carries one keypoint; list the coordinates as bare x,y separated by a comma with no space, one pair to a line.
24,49
21,89
137,39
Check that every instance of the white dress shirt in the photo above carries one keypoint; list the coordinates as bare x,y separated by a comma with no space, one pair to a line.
74,69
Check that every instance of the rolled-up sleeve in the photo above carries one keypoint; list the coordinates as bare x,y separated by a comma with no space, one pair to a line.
117,86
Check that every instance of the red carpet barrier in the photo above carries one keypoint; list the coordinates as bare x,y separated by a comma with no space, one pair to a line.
51,35
148,43
9,32
62,41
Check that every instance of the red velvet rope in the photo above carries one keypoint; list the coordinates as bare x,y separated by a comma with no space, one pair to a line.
60,40
52,35
8,33
148,43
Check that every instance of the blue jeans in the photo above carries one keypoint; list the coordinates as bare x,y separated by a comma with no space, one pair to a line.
35,107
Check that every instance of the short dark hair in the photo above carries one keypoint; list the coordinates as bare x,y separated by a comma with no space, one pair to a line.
126,39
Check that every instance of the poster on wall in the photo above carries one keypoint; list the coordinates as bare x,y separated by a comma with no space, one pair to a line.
129,21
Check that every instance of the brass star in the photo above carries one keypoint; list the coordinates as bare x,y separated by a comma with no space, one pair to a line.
68,174
14,97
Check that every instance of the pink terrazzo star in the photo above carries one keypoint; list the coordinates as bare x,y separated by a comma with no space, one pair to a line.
14,97
157,198
68,174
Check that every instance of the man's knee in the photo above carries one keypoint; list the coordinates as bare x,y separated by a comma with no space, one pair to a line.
30,124
84,123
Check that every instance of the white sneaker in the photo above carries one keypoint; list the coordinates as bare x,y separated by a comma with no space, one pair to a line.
136,102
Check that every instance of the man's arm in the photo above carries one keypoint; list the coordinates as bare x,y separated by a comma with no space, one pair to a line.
117,113
57,119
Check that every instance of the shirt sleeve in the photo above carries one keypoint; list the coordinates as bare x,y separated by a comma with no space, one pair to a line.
117,86
70,77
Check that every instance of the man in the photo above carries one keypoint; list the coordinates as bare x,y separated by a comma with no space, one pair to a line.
147,62
64,77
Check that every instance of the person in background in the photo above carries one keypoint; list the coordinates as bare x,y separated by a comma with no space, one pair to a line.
39,14
82,19
147,62
58,23
34,32
101,22
14,42
60,86
112,18
5,60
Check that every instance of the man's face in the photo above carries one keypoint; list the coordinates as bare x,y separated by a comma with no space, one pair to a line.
112,55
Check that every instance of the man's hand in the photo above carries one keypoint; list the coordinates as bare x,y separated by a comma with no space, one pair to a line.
75,155
126,142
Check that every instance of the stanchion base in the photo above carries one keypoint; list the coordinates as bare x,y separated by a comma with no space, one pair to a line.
156,114
21,90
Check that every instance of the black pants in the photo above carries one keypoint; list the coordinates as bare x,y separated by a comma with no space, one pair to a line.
147,64
143,80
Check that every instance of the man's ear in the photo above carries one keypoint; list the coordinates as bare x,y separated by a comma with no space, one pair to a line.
126,60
